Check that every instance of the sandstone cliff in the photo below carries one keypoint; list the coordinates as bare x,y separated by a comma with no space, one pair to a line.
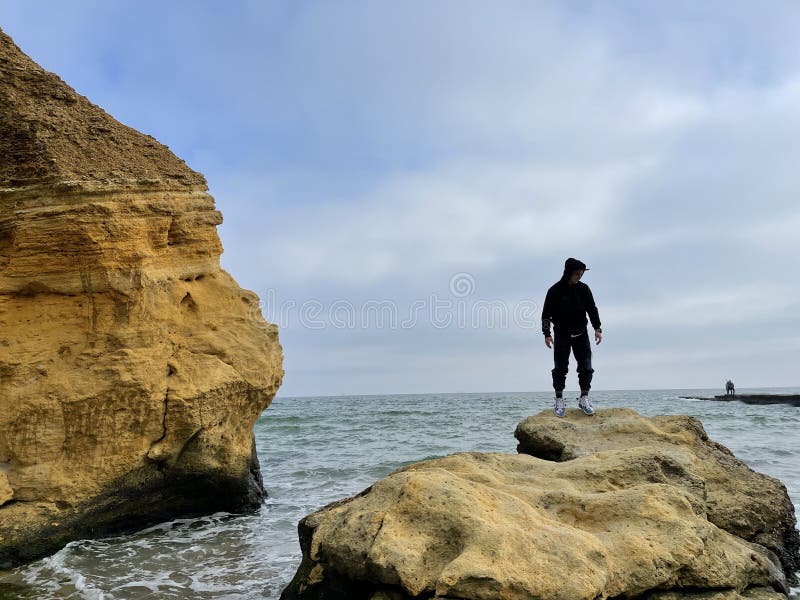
636,520
132,367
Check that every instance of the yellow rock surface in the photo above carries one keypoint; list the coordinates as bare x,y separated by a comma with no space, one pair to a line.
751,505
132,367
626,521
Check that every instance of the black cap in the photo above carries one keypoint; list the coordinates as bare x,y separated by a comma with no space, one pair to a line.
573,264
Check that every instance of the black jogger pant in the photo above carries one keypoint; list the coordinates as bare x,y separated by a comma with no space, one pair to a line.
581,347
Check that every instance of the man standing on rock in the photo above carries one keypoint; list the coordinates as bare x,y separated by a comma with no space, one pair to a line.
566,305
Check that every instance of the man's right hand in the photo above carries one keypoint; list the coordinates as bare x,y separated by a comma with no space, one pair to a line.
548,340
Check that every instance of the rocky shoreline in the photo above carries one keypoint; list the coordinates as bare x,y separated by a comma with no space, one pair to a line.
790,399
616,505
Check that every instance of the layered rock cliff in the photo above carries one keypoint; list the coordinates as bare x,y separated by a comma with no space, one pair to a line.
635,510
132,367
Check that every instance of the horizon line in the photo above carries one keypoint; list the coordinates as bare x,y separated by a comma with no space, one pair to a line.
305,396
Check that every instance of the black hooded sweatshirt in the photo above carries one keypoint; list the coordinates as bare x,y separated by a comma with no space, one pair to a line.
566,305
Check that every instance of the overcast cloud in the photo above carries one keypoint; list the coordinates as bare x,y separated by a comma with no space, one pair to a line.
374,150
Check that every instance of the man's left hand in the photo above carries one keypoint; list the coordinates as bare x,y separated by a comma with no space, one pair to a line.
598,336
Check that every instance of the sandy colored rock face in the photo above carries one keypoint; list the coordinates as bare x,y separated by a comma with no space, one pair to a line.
748,504
132,367
624,522
50,134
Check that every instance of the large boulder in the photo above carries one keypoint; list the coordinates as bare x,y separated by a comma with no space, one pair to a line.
748,504
132,367
624,522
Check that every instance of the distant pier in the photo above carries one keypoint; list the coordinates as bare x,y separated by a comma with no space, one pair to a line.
790,399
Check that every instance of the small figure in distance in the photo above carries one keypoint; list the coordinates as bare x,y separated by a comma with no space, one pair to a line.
565,306
729,389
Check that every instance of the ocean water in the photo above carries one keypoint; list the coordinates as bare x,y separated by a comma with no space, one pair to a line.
316,450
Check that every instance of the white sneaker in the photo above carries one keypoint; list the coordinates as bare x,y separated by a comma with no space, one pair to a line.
586,405
559,407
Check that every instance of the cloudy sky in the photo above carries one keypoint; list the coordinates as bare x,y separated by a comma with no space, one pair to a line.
402,181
